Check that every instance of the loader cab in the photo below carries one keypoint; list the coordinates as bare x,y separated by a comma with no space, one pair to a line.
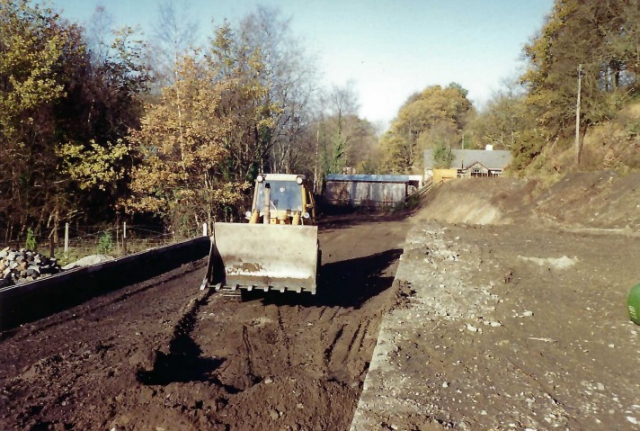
290,200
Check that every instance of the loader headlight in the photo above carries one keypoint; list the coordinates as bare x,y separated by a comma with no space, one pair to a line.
299,180
247,215
259,178
305,215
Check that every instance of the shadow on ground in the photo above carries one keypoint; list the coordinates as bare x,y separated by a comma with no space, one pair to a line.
348,283
342,218
184,362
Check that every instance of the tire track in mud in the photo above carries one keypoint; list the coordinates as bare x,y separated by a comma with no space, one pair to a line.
353,355
362,363
353,339
200,361
328,352
285,337
247,345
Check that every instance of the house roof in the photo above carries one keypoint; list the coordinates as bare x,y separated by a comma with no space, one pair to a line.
372,178
463,159
476,164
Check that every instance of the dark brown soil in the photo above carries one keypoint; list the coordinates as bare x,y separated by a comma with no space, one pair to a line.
549,266
163,355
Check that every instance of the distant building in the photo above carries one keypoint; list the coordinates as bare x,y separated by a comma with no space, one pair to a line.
369,190
470,163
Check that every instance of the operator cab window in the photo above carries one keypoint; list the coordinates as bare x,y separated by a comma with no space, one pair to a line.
285,195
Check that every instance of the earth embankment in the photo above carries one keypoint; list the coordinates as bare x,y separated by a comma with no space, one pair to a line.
596,200
517,315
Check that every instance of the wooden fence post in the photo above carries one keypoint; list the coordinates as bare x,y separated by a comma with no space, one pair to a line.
66,239
124,239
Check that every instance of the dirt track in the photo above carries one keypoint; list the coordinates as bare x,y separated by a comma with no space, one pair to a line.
510,315
163,355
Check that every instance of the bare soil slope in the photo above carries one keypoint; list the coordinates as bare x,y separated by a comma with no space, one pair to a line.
598,200
516,321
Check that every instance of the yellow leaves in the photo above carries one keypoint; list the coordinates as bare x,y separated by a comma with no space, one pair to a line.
204,133
434,105
31,51
92,166
434,116
181,141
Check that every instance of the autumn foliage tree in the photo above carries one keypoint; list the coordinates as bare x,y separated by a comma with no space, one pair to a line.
602,37
103,102
60,119
31,52
434,117
200,149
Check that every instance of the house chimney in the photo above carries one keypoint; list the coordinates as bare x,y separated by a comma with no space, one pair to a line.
489,147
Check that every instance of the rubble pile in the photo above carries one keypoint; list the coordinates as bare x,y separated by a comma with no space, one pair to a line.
22,266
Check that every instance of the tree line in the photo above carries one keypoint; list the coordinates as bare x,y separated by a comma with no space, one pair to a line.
103,125
99,125
534,114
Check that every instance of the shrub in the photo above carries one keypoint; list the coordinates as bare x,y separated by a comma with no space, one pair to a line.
30,243
105,242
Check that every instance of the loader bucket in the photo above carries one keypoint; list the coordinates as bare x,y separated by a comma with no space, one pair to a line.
266,257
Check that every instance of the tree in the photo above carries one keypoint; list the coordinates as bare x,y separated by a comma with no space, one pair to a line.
433,116
602,37
442,156
245,103
197,166
344,140
179,177
174,34
503,120
343,105
62,114
103,102
32,45
289,75
99,33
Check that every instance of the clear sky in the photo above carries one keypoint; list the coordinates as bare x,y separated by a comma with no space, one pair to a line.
388,48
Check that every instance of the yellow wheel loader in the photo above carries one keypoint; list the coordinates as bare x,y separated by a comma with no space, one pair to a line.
277,250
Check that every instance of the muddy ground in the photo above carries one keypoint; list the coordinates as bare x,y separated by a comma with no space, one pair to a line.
514,318
164,355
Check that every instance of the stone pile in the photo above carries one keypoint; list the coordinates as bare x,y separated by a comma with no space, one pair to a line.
23,266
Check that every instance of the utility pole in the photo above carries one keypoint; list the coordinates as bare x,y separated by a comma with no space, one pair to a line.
577,143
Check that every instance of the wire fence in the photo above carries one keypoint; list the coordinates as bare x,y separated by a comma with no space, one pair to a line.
72,242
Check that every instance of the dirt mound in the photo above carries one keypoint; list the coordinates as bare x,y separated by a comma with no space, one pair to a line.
517,320
482,201
509,327
604,200
596,200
